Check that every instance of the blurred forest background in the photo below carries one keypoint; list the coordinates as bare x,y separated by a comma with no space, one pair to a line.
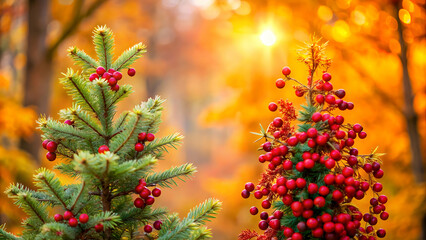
216,62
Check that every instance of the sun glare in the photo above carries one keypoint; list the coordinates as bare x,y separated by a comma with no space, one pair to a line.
268,37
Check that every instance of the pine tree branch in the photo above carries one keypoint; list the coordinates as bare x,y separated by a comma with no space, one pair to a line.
165,179
78,196
81,94
5,235
82,58
47,183
130,135
77,115
33,209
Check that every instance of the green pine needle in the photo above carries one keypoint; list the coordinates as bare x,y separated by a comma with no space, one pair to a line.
166,178
82,59
130,56
104,46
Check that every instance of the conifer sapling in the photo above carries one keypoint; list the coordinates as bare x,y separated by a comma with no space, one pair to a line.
314,173
109,159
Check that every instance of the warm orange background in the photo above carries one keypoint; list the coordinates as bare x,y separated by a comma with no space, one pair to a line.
208,59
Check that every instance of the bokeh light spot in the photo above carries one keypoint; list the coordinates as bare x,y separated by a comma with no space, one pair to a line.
325,13
268,37
405,16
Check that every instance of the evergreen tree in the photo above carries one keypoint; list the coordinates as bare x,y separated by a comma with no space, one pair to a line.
315,173
110,161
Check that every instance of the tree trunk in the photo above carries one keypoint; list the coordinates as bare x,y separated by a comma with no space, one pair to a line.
38,69
411,117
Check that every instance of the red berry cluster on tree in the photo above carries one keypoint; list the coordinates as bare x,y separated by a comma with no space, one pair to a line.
73,222
315,173
142,138
111,76
146,196
50,146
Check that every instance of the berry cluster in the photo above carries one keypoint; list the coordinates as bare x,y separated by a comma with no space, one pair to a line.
157,225
315,172
111,76
146,195
50,146
73,222
142,138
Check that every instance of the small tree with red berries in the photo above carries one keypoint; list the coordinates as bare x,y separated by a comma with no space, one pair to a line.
110,161
314,171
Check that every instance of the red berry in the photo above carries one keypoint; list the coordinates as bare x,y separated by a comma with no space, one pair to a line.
69,122
103,148
383,199
73,222
329,179
340,93
112,81
337,195
145,193
300,166
93,76
257,194
302,136
377,187
58,217
381,233
51,146
150,137
384,215
142,136
99,227
327,86
100,71
312,132
147,228
263,225
150,200
263,215
308,203
139,203
312,223
296,236
297,206
357,128
246,194
308,164
275,224
316,117
301,226
321,140
115,88
330,163
280,83
84,218
106,75
348,172
273,107
336,155
117,75
320,98
286,71
288,232
319,202
68,215
142,182
330,99
139,188
51,156
317,232
131,72
111,70
287,165
156,192
139,147
362,135
326,77
249,186
299,93
278,122
292,141
328,227
266,204
324,191
157,224
300,183
253,210
45,142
